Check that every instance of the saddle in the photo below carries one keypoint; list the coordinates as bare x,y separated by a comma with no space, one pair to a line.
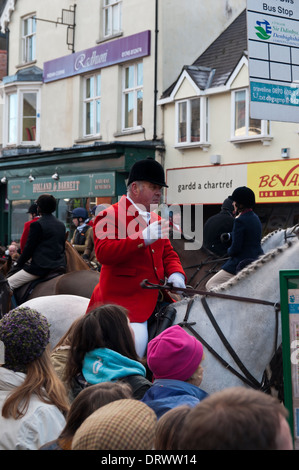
22,293
160,320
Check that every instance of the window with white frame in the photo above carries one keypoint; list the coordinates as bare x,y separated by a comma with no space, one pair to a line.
112,17
192,121
243,126
92,105
28,39
21,116
132,96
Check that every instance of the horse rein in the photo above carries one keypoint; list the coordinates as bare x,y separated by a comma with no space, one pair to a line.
189,291
292,233
247,377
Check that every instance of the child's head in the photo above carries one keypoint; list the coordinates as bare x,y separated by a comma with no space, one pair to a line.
174,354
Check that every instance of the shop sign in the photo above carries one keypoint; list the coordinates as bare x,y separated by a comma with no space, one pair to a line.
93,185
204,185
274,181
104,55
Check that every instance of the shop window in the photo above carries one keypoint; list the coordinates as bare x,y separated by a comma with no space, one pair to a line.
112,17
19,216
92,105
243,126
21,116
133,96
192,122
12,118
28,39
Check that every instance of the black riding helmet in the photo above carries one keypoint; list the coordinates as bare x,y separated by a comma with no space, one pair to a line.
32,209
244,195
46,203
80,213
147,170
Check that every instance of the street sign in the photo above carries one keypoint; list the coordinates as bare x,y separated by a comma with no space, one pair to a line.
289,301
273,52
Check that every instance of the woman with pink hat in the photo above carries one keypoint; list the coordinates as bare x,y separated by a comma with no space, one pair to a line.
174,357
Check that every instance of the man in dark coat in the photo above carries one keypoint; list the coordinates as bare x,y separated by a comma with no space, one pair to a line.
45,246
217,225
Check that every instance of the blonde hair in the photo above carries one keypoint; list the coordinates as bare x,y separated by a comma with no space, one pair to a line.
41,380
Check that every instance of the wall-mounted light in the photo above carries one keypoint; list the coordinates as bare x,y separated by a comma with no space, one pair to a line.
215,159
31,178
55,176
3,180
285,153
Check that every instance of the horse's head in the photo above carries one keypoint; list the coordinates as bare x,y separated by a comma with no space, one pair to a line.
295,230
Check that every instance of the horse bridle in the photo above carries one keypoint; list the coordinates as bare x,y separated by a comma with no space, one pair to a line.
247,377
292,233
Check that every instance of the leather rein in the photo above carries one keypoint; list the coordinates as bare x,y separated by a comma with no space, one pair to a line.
247,377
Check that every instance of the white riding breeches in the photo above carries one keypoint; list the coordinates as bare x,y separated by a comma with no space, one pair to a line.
20,278
141,337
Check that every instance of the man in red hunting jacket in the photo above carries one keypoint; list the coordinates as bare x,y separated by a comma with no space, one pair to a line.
132,244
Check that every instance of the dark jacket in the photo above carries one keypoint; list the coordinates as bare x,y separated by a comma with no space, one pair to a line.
79,237
214,227
45,246
246,241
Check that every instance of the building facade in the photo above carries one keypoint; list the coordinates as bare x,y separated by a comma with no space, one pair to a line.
80,96
213,145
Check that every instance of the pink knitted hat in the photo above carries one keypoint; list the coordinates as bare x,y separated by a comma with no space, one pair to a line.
174,354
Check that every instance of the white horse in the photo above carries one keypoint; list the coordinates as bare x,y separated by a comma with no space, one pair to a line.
279,237
248,327
60,310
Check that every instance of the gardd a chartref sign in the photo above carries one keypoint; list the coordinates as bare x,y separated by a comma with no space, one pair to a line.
276,181
272,182
204,185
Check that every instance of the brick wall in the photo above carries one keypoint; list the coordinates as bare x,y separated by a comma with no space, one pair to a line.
3,63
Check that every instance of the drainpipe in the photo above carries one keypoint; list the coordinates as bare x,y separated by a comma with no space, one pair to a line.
155,72
7,49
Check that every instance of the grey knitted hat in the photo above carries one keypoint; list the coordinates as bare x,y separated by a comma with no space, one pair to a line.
25,334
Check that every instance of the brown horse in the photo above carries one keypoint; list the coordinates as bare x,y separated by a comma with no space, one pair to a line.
74,262
79,280
199,264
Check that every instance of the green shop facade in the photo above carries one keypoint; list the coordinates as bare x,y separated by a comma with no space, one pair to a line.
80,176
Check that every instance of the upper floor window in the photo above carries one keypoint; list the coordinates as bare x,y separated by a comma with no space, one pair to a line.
21,116
243,126
112,17
132,96
92,105
192,122
28,39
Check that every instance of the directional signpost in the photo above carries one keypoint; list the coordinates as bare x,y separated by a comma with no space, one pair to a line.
273,51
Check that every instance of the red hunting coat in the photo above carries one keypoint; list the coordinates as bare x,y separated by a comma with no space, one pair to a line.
126,261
